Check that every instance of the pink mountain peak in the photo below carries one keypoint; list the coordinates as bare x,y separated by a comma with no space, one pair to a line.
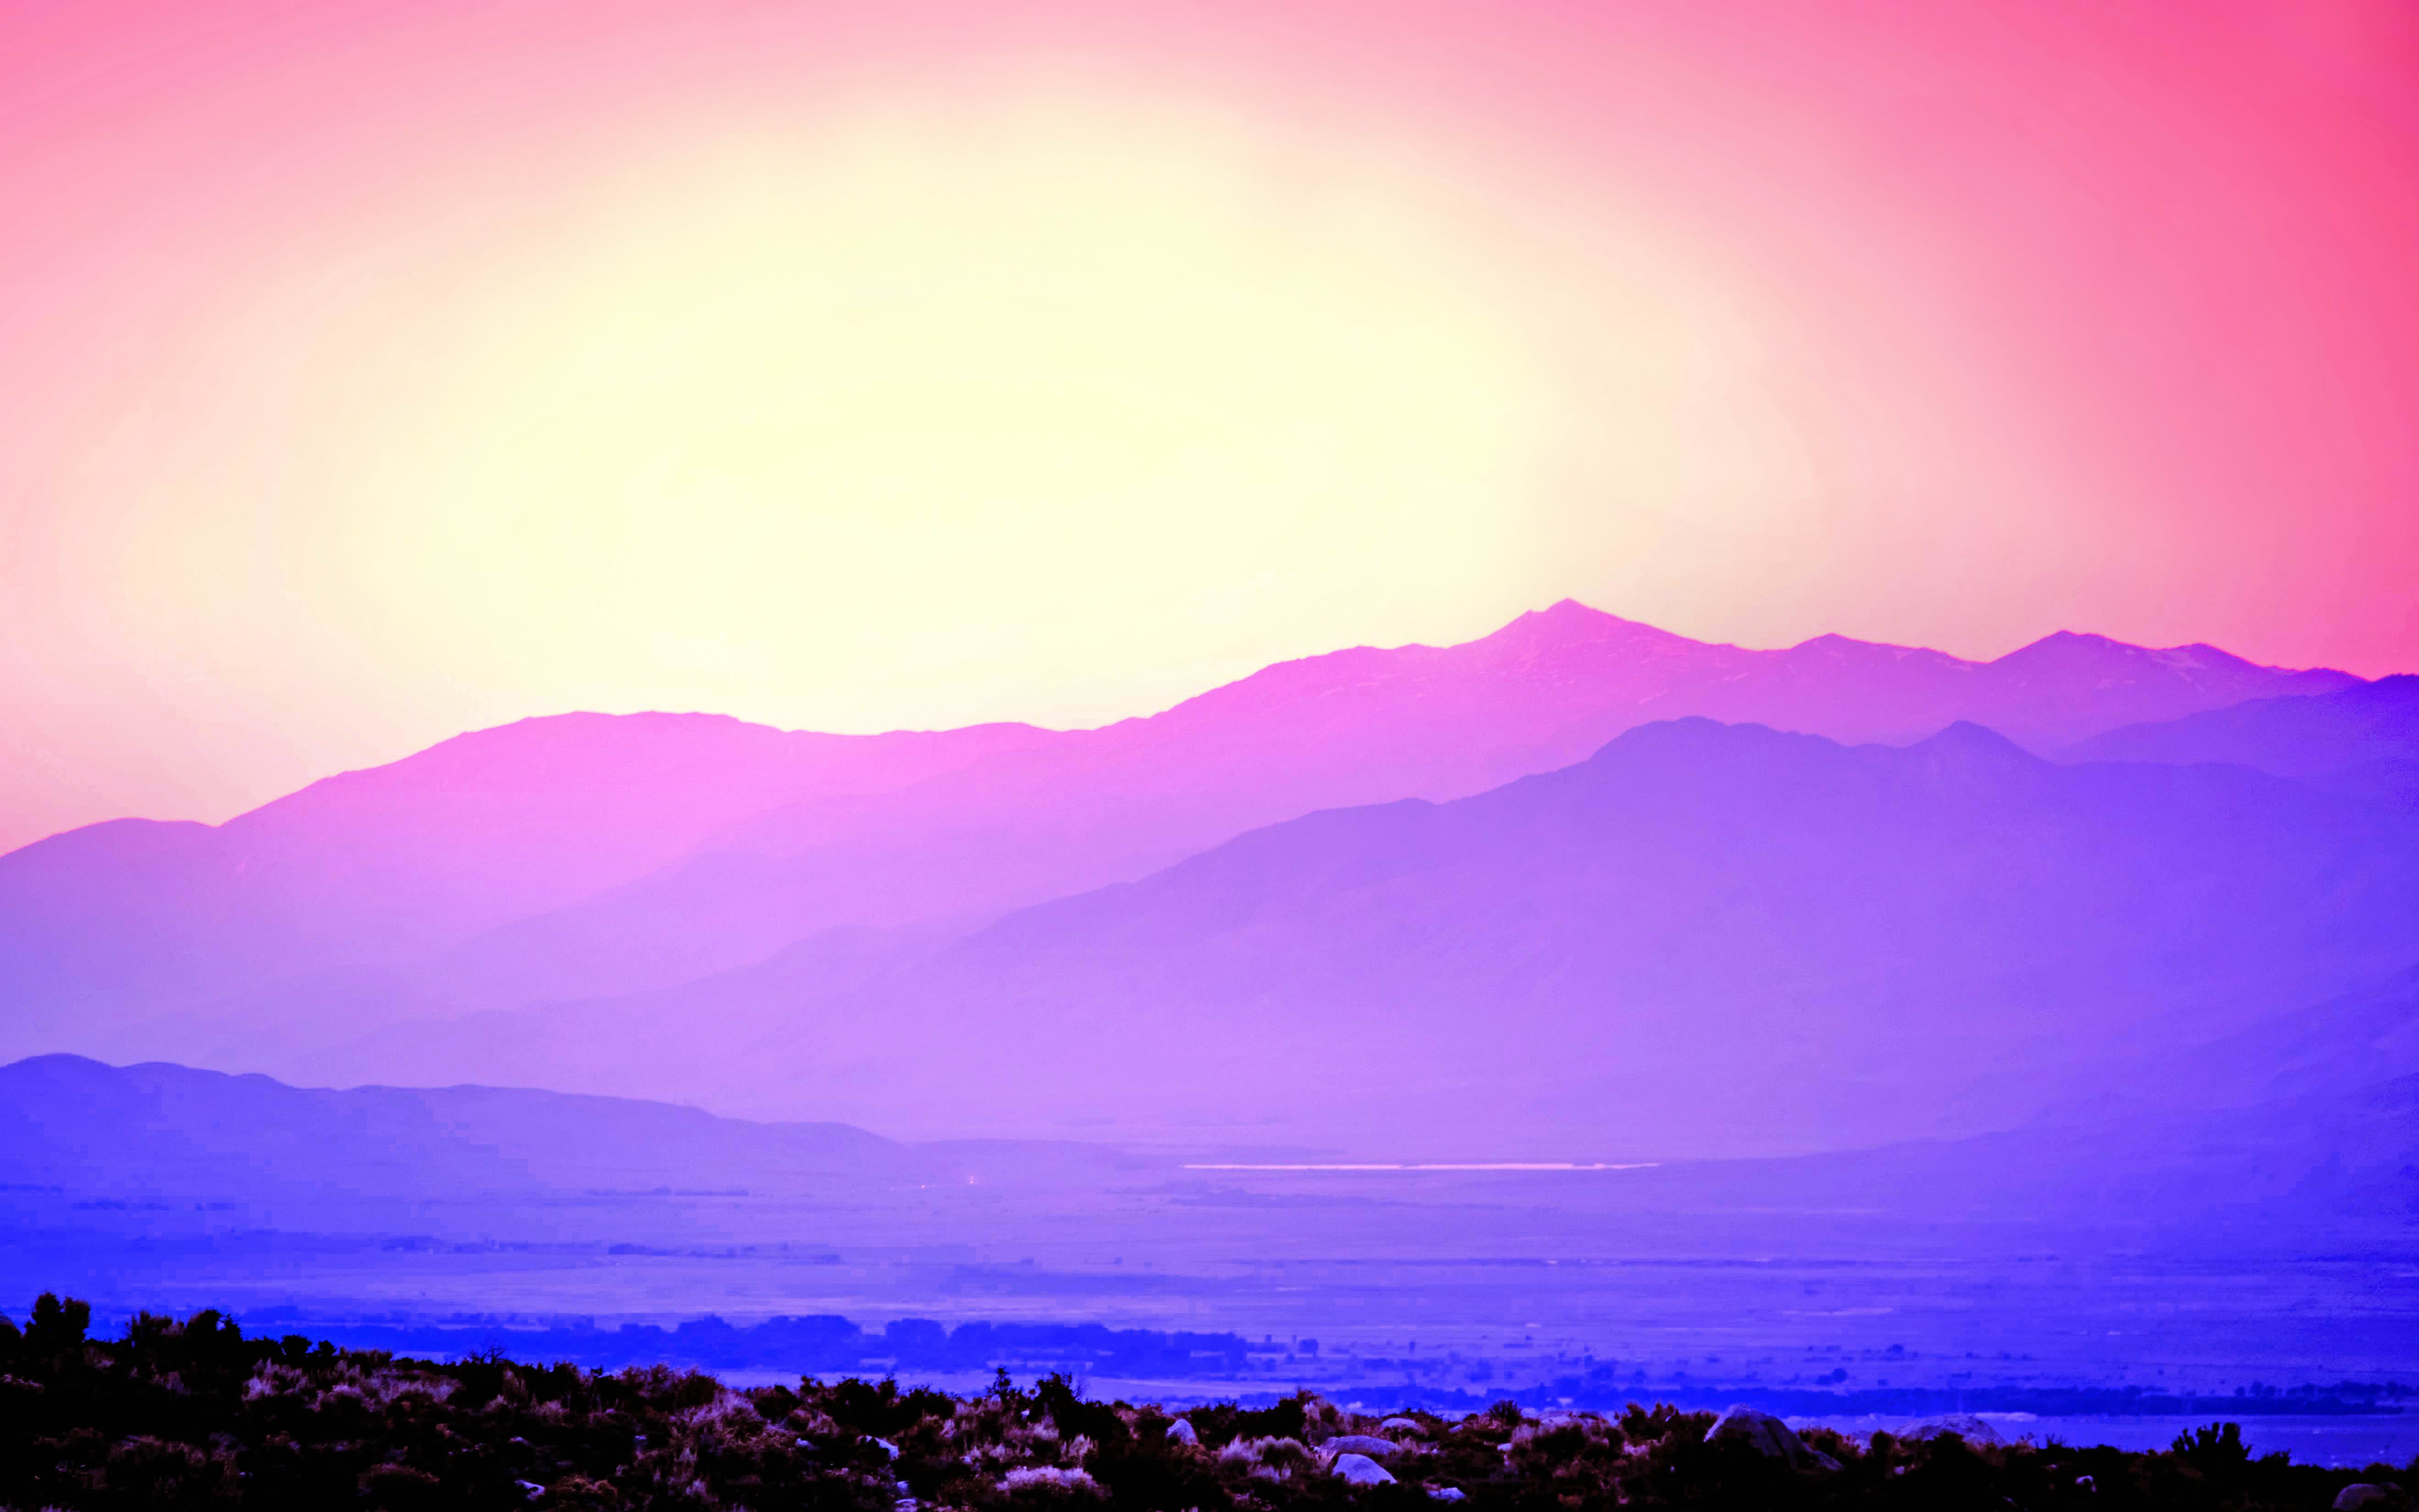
2061,651
1569,622
1570,640
1549,638
2067,647
1841,648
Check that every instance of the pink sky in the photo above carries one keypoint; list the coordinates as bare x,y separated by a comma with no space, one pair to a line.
376,371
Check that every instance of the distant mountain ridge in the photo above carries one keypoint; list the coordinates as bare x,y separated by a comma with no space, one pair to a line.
400,860
2365,726
1704,939
168,1130
590,855
311,1159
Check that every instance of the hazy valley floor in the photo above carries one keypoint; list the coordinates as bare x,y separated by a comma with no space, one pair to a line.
1413,1287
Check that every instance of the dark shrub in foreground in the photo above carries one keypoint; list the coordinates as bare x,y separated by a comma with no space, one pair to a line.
194,1414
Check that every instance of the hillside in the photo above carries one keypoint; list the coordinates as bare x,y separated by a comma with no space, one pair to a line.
1704,939
2371,725
163,1130
587,855
180,1154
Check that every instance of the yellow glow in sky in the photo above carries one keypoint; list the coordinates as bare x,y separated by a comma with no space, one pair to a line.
903,417
765,425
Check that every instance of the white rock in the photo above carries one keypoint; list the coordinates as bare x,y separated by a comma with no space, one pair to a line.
1361,1443
1768,1436
1955,1425
1359,1469
1181,1432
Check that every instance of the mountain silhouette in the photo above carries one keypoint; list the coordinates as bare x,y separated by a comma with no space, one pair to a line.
168,1130
1705,939
492,1163
400,860
2361,739
591,855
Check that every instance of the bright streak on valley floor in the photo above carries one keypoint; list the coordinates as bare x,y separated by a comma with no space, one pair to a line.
1434,1165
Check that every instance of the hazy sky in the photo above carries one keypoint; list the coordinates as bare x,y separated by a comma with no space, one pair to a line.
372,371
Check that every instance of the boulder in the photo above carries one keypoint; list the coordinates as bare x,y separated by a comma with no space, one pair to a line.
1361,1443
1954,1425
1768,1436
1181,1432
1446,1493
1359,1469
2368,1496
1402,1424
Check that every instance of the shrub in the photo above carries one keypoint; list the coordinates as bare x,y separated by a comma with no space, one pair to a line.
190,1413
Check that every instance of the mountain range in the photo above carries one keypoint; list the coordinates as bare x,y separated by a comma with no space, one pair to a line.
1578,888
1705,939
94,1144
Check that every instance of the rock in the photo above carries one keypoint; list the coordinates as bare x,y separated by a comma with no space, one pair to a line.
1361,1443
1402,1424
1359,1469
1445,1493
884,1445
1768,1436
1181,1432
2367,1496
1954,1425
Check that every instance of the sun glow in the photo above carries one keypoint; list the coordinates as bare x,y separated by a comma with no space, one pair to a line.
757,424
737,420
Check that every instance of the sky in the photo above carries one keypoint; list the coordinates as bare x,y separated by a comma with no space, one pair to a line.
371,372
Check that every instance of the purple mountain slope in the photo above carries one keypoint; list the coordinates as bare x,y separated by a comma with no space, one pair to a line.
401,860
2362,727
1856,692
375,1157
589,855
2348,1158
1707,939
169,1130
1355,727
2328,1049
677,1041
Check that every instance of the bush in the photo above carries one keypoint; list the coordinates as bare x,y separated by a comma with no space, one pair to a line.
193,1414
